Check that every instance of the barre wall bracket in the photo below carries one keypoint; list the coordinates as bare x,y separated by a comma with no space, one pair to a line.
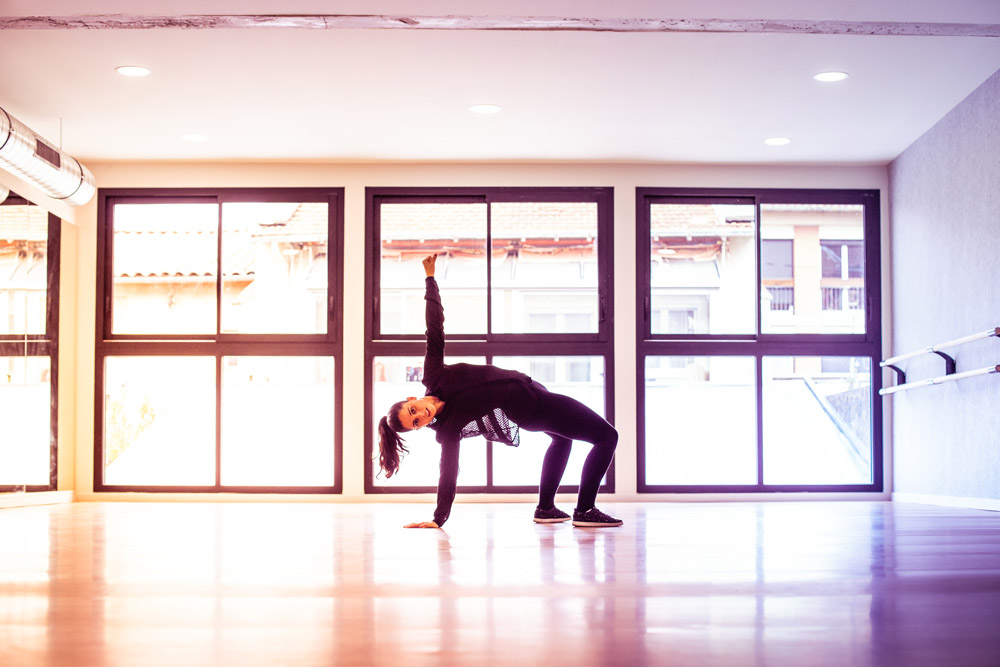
949,362
900,375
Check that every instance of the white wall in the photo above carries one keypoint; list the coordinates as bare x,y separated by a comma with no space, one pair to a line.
354,178
945,204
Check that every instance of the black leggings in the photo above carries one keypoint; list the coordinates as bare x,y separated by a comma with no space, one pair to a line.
566,419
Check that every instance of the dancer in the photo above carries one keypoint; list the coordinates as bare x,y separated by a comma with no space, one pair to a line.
466,400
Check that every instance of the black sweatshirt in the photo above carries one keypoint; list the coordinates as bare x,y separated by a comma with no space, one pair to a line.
479,400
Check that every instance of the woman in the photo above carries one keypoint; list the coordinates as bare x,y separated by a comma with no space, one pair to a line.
465,400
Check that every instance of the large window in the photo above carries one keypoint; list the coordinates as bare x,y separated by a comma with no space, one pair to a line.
218,341
526,283
29,306
758,327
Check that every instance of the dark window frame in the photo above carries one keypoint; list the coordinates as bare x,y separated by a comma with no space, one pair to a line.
867,345
219,345
42,345
489,345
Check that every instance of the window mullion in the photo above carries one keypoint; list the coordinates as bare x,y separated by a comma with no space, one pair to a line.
758,239
489,275
759,396
218,420
218,273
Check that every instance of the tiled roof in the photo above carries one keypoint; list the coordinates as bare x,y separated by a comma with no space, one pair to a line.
23,223
148,254
701,219
191,250
824,208
307,224
468,221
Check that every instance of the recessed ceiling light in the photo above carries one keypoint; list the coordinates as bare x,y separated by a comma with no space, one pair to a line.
829,77
777,141
133,70
484,108
195,138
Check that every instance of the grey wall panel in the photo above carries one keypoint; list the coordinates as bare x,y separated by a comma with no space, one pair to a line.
945,230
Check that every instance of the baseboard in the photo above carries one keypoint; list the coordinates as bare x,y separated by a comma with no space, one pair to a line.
948,501
37,498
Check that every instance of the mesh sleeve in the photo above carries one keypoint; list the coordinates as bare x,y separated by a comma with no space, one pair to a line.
495,426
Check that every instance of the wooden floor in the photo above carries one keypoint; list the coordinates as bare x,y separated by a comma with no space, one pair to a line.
800,584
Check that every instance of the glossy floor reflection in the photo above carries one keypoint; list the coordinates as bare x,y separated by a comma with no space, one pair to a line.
320,584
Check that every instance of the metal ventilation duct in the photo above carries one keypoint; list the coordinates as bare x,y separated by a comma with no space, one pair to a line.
31,158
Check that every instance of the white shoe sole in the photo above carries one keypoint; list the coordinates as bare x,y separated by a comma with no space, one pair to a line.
551,520
594,524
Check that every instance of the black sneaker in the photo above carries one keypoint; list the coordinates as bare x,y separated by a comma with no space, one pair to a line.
594,518
553,515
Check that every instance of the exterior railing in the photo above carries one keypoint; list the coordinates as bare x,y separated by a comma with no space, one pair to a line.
843,298
782,298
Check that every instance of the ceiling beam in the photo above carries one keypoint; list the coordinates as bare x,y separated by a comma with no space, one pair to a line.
510,23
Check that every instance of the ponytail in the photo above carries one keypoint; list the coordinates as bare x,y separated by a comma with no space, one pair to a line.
390,445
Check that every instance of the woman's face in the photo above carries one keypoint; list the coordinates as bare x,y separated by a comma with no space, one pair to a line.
417,412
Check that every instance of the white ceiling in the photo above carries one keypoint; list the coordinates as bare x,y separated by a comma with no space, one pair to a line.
403,94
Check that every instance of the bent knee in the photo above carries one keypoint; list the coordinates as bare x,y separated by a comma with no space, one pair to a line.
610,440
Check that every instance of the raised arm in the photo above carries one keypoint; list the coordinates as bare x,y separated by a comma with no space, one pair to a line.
433,365
434,315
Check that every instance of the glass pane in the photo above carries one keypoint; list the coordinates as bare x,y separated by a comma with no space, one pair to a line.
159,421
396,379
701,423
824,290
274,268
24,240
277,421
410,232
579,377
165,266
703,269
26,416
817,420
544,272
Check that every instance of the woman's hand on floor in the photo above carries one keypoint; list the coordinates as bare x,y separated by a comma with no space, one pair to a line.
422,524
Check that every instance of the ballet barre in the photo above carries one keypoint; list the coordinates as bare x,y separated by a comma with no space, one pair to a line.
950,374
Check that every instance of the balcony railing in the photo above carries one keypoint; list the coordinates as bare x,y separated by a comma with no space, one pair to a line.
833,298
782,298
843,298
